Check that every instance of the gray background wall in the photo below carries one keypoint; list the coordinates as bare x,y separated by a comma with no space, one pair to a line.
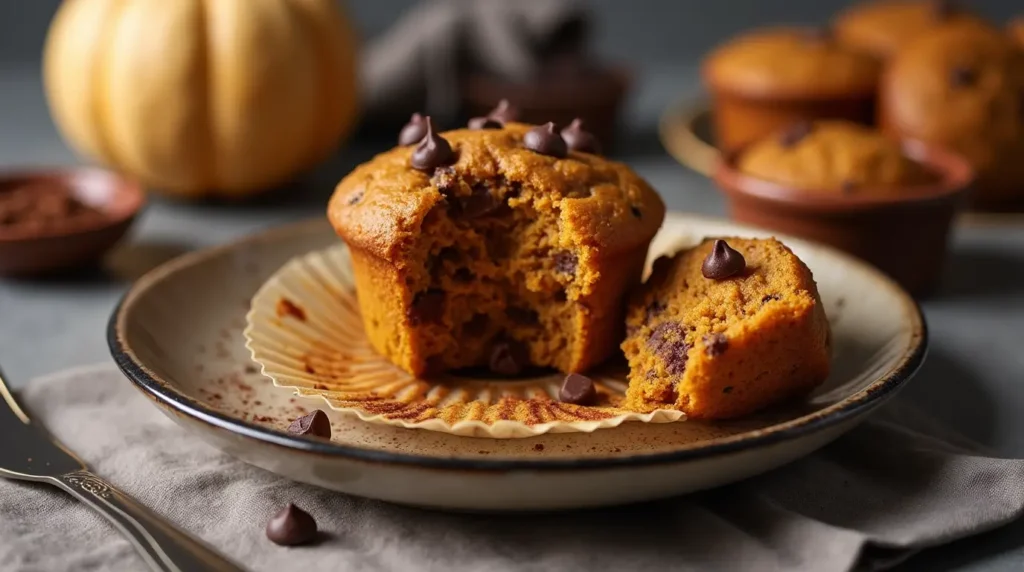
648,31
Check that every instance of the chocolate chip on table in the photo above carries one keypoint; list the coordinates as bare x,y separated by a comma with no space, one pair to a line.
962,76
427,308
315,424
715,344
795,133
414,131
509,358
292,527
432,152
578,390
565,262
579,140
722,262
544,140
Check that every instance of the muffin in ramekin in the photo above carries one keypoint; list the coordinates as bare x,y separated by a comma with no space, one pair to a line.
961,86
504,246
765,80
888,202
881,27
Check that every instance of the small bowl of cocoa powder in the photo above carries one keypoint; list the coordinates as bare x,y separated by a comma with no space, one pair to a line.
56,220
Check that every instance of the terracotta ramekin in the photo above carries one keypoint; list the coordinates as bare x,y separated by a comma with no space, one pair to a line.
905,235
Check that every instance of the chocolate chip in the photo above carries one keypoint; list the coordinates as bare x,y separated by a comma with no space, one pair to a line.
795,133
509,358
479,204
292,527
579,140
315,424
635,210
504,112
355,198
545,141
715,344
524,316
578,390
722,262
427,308
485,123
962,76
667,342
770,298
414,131
446,180
432,152
565,262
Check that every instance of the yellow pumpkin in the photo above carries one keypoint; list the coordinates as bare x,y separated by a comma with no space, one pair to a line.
201,97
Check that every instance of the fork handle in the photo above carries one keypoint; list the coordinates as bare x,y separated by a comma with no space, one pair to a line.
161,545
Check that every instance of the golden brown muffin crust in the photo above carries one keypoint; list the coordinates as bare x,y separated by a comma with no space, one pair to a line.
961,87
881,28
724,348
836,156
790,63
601,203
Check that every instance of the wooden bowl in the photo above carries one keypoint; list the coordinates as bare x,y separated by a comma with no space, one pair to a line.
31,252
905,235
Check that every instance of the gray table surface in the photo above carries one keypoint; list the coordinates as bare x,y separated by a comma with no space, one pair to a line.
973,378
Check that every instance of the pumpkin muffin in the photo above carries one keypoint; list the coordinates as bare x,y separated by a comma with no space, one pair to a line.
500,246
881,27
960,87
768,79
832,156
719,333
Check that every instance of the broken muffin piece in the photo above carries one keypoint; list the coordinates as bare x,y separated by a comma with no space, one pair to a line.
505,253
718,344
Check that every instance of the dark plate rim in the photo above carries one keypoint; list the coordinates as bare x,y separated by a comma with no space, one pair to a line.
165,395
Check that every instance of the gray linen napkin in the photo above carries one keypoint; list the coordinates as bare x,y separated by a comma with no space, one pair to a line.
873,497
417,64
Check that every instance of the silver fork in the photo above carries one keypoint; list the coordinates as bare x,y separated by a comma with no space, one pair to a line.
30,453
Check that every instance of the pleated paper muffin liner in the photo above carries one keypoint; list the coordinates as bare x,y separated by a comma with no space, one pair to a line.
305,330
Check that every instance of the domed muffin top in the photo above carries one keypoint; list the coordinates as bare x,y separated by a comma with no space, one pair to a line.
790,63
835,156
961,86
602,204
882,27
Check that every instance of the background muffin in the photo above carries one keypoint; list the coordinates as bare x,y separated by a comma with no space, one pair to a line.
768,79
882,27
832,155
507,250
961,87
1016,29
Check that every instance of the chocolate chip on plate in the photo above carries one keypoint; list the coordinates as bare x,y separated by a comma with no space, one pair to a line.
722,262
292,527
414,131
578,390
509,357
433,151
795,133
315,424
544,140
580,140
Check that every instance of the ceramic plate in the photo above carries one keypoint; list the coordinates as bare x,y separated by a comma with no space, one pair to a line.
177,335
